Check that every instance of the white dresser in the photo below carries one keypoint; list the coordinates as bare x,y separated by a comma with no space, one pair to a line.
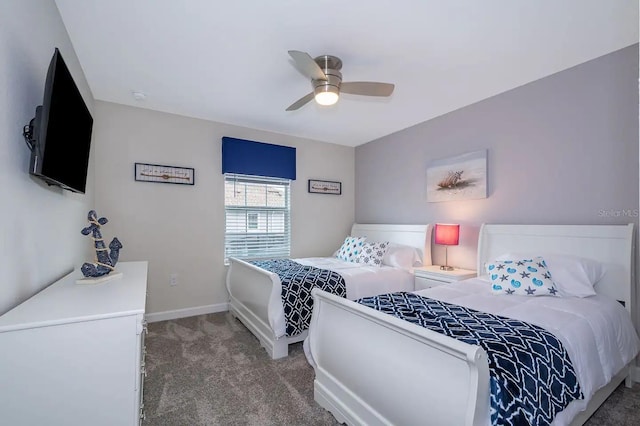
73,354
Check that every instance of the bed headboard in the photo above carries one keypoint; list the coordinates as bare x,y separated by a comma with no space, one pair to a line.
418,236
609,244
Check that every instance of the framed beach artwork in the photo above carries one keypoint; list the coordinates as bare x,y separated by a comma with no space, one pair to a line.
463,177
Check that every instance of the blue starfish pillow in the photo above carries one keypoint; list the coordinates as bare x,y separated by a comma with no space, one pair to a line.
524,277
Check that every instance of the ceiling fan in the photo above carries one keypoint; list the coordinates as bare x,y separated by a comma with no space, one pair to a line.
326,79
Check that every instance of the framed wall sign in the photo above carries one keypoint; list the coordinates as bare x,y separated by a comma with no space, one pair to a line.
164,174
325,187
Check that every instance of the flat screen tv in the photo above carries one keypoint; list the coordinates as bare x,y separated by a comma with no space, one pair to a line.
59,136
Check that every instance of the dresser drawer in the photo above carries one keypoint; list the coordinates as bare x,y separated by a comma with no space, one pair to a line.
432,276
421,282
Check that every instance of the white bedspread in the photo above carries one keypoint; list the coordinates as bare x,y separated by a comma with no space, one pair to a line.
363,280
596,331
360,281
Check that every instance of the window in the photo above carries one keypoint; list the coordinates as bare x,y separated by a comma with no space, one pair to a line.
252,221
257,213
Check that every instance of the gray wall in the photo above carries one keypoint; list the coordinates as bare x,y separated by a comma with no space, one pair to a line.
561,150
41,225
179,229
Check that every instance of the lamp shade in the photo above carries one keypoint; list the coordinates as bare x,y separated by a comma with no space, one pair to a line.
447,234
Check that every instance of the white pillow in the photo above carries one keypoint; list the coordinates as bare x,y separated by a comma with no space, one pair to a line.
573,275
372,253
522,277
401,256
350,248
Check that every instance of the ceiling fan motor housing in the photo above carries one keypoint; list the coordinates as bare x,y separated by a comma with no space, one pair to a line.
330,65
328,62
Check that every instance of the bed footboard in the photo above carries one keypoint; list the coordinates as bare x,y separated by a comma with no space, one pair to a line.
251,291
410,375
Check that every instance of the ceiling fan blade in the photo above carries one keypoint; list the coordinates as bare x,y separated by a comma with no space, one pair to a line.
300,102
307,65
367,88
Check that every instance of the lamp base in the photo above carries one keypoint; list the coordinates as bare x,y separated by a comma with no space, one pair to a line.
446,266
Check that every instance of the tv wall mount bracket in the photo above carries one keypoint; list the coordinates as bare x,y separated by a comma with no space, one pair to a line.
27,132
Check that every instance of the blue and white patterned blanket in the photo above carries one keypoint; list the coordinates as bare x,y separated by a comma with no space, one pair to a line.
531,376
297,282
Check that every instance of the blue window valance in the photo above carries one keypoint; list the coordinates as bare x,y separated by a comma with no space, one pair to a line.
258,158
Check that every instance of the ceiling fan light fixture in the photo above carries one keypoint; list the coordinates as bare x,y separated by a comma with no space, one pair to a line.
326,95
326,79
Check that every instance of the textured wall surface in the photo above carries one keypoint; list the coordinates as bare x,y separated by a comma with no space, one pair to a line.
179,229
563,149
41,225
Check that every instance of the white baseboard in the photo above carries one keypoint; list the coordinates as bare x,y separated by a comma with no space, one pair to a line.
187,312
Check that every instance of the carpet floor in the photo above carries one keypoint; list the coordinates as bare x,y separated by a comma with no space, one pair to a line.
210,370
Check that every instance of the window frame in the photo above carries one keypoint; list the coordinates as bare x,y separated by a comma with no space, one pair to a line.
266,241
253,219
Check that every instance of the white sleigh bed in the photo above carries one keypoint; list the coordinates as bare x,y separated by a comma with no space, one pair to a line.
255,293
374,369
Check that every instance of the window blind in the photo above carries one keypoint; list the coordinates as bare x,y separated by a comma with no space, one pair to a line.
246,157
257,217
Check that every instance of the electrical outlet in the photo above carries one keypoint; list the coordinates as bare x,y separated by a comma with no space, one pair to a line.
173,280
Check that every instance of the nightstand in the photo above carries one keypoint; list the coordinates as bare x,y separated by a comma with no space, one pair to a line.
431,276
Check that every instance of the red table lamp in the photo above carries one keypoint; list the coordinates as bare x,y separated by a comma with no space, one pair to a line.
446,234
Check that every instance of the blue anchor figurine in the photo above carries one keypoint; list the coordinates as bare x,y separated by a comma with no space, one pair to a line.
105,259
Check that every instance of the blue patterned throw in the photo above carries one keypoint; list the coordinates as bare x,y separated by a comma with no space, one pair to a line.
297,282
531,376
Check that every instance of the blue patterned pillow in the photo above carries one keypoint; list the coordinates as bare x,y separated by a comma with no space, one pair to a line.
351,248
524,277
372,253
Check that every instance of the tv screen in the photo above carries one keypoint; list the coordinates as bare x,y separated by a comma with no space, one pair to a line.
61,131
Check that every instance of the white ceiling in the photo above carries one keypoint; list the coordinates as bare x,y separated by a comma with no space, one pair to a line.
227,61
